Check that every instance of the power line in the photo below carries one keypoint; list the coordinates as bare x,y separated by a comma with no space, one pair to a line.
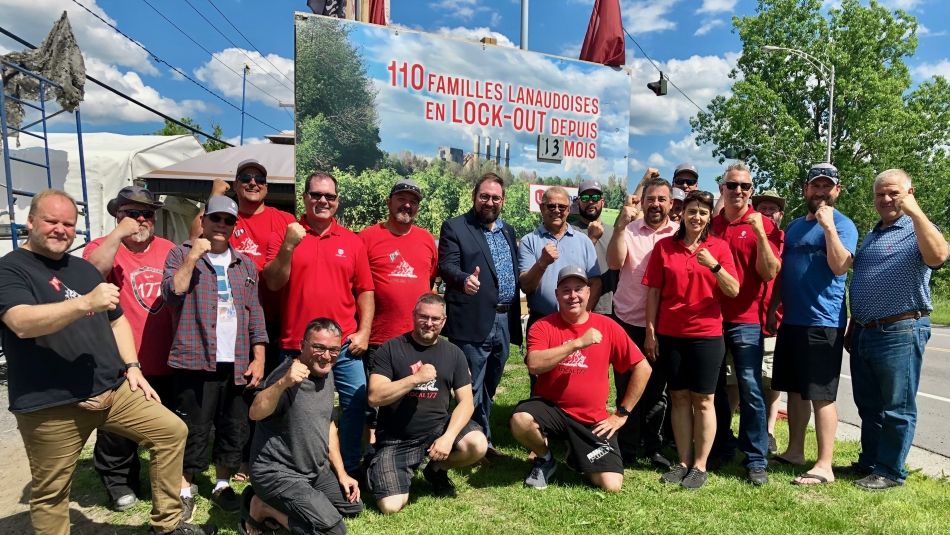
655,66
172,67
249,41
200,14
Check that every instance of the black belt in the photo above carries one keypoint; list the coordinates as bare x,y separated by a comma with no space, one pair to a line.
501,308
912,315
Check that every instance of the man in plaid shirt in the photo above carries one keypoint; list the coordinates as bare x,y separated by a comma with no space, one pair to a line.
212,290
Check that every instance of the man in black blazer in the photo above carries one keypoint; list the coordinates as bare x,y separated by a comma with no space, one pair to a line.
478,259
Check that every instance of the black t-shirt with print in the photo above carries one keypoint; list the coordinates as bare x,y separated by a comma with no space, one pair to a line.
425,408
77,362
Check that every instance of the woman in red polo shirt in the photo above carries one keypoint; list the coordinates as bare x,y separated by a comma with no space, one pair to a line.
688,274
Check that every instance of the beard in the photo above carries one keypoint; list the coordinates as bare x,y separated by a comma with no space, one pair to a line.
654,216
593,215
488,214
142,236
814,204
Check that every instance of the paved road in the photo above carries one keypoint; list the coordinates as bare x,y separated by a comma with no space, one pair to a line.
933,397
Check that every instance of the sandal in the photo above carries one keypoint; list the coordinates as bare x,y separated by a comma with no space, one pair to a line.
266,526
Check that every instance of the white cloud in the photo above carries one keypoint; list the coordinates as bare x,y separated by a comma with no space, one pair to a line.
708,26
717,6
926,70
923,31
463,9
475,34
906,5
657,160
103,107
236,140
648,16
273,85
571,50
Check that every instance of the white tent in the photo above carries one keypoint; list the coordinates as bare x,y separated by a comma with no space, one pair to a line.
112,161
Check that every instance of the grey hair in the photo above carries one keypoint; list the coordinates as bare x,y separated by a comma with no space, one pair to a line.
899,174
554,190
737,166
323,324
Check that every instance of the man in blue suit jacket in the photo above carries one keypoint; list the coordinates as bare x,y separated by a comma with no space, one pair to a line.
478,259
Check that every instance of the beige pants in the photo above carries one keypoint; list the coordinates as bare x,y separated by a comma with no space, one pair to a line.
54,438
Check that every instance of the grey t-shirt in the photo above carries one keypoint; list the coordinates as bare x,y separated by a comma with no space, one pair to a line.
296,437
608,278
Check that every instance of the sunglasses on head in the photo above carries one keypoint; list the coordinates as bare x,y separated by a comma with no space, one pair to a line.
591,197
556,207
823,171
684,181
228,220
245,178
746,186
315,195
135,214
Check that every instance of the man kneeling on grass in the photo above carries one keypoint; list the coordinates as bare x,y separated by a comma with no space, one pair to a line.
296,469
570,352
410,383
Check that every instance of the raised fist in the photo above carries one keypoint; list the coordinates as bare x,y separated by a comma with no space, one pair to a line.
295,234
590,337
127,227
826,217
595,230
103,297
199,247
296,373
425,374
755,219
219,187
706,259
549,254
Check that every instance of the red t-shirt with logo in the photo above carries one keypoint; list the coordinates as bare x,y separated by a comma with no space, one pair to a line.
579,385
139,278
326,274
252,235
747,307
403,267
689,293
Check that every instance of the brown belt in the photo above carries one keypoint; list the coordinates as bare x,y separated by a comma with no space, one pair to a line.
912,315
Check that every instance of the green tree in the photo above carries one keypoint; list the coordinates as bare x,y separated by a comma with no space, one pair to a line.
210,145
778,110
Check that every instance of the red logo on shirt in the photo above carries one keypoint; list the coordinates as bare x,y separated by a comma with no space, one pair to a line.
56,284
147,288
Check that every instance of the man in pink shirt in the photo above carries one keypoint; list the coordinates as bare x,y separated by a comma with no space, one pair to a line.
629,251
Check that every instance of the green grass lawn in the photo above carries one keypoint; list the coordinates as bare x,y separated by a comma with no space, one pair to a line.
941,313
492,499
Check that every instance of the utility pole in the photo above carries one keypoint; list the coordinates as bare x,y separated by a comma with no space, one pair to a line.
243,94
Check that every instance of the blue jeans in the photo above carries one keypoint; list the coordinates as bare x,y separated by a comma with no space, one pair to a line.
885,371
350,382
745,342
486,361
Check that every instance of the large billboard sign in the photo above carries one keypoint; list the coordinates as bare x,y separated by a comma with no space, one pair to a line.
398,91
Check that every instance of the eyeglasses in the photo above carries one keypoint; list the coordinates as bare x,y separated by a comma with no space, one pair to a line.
554,207
422,318
684,181
484,197
321,349
315,195
135,214
591,197
226,219
746,186
245,178
829,172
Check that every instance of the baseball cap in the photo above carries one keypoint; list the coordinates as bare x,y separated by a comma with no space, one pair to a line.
406,184
220,204
686,167
572,271
769,195
250,162
130,194
823,170
591,184
678,195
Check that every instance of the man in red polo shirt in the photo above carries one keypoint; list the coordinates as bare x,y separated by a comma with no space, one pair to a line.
326,273
756,245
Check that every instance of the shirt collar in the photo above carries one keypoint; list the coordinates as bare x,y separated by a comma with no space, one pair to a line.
333,230
641,227
900,222
499,224
545,232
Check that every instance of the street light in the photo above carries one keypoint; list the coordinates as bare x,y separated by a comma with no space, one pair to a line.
827,73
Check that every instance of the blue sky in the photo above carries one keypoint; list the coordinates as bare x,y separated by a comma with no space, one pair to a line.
691,40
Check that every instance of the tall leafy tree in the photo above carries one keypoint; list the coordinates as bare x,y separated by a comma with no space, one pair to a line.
210,145
778,111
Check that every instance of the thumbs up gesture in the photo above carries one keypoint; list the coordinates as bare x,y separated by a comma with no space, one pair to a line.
472,283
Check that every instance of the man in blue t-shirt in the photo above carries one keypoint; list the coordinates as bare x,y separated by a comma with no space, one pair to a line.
819,249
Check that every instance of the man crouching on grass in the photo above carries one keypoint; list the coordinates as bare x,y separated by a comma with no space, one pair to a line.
296,469
570,352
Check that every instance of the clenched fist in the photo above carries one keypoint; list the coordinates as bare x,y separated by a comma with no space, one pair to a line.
295,234
590,337
826,217
595,230
755,219
199,247
629,212
296,373
907,203
127,227
425,374
549,254
103,297
219,187
706,259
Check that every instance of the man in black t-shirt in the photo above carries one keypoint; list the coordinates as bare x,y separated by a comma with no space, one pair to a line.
72,369
413,377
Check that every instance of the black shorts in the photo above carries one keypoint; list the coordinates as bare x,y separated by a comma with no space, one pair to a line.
691,363
395,461
593,454
808,361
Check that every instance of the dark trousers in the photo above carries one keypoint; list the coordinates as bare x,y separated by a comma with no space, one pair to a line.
116,458
725,443
312,505
644,427
273,357
209,401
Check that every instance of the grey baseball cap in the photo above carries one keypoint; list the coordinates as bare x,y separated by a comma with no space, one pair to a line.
251,162
572,271
686,168
219,204
825,170
678,195
591,184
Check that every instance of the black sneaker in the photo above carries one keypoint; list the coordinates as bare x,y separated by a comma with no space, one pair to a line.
660,462
694,479
185,528
757,476
675,474
773,446
226,499
877,482
187,507
439,479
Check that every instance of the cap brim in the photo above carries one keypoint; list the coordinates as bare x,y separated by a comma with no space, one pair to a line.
257,166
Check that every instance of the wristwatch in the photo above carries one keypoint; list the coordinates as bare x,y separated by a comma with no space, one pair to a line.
130,365
622,411
716,268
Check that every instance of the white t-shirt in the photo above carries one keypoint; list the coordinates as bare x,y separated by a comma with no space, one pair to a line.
227,315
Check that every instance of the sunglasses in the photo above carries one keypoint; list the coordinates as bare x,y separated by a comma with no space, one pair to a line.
829,172
746,186
554,207
228,220
135,214
245,178
591,197
684,181
321,349
315,195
